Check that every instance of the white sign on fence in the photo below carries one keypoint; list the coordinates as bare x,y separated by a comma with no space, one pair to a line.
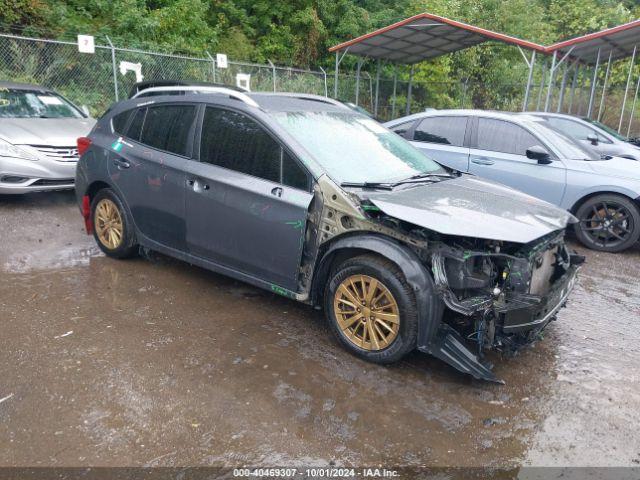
243,81
86,44
132,67
221,60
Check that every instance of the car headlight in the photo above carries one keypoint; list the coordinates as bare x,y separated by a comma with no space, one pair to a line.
10,150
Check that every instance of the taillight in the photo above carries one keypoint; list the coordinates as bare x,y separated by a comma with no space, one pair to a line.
83,144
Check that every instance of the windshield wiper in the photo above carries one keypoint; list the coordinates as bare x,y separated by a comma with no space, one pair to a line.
422,176
376,185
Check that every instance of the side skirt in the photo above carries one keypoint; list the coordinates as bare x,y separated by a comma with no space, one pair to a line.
215,267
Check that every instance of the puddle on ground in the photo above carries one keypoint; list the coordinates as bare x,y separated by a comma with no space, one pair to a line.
155,362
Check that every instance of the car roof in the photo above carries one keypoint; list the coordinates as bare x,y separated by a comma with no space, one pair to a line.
456,112
552,114
23,86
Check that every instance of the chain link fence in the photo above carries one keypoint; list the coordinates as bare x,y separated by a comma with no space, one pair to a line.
99,79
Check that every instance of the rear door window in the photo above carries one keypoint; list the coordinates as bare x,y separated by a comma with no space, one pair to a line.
235,141
167,127
506,137
443,130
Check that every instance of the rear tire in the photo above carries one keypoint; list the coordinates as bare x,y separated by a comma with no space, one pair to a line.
112,225
608,223
372,309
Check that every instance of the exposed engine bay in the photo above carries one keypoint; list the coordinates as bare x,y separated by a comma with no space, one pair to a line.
499,295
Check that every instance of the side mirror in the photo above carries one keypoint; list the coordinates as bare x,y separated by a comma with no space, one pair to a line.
540,154
593,139
85,110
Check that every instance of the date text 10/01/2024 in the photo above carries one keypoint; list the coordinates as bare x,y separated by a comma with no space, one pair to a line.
315,472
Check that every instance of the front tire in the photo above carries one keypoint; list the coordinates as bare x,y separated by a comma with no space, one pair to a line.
112,227
371,309
608,223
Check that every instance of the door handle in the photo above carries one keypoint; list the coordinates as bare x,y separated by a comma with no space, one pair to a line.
277,191
195,184
121,163
482,161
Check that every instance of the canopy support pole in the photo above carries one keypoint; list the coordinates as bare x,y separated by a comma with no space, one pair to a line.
576,72
543,77
375,107
604,87
358,68
594,82
626,89
581,81
409,87
555,64
395,85
633,108
552,74
562,87
335,80
531,65
324,73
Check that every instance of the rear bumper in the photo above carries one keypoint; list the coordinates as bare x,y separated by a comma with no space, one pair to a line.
18,176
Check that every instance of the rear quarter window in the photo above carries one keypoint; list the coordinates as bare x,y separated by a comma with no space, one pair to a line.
119,122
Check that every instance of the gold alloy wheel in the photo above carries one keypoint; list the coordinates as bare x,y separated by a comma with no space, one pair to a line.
367,313
108,224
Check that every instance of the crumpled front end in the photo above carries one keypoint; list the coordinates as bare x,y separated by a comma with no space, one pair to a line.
500,296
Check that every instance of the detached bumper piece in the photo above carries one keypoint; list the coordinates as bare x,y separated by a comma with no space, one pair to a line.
449,347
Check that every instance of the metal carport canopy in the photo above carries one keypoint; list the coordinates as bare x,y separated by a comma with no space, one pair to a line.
424,36
593,49
419,38
619,41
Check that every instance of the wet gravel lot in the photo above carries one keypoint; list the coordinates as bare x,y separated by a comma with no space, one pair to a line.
153,362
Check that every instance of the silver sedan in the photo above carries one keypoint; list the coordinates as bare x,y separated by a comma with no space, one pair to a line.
38,132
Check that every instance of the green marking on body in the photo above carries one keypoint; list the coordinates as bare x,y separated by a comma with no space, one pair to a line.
297,224
280,291
370,208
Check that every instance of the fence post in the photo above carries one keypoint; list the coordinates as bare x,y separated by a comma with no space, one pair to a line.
408,109
375,108
358,67
395,85
273,70
115,69
213,65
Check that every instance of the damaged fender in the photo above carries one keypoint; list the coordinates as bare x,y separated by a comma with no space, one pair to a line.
434,337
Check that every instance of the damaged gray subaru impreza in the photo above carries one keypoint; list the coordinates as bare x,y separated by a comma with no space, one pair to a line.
302,196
